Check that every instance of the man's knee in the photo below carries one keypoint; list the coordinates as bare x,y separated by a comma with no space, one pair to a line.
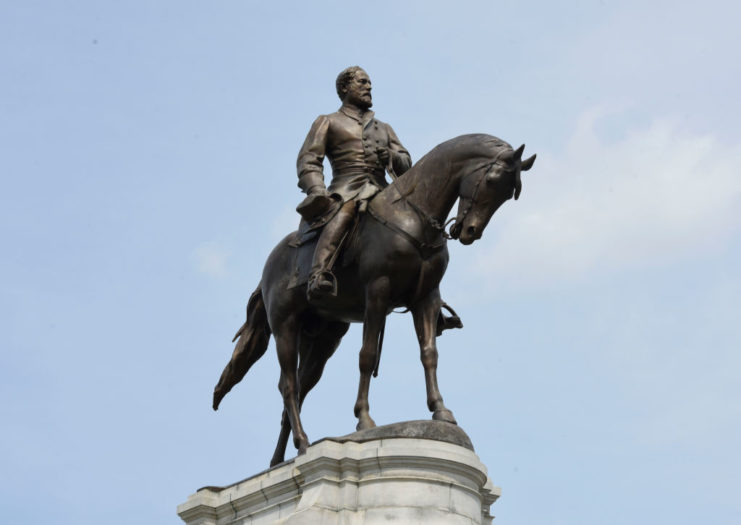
346,214
349,208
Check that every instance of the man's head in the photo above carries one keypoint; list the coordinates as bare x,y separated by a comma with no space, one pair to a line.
354,87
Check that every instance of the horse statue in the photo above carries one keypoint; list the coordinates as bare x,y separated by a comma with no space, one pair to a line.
396,257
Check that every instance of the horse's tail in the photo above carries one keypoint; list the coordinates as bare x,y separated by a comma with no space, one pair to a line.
254,336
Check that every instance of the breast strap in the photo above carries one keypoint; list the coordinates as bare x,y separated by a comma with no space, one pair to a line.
425,249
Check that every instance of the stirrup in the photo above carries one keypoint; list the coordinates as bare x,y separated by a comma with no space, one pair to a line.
321,284
447,322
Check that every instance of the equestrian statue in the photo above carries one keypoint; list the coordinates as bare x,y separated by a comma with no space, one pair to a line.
365,247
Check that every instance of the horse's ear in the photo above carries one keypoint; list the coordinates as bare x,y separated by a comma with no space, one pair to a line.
518,152
527,163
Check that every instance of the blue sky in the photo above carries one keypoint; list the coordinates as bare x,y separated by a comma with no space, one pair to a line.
147,155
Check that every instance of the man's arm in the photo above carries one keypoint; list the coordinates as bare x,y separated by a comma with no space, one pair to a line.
310,162
400,157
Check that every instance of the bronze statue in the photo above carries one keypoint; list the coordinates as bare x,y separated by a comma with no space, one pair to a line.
394,253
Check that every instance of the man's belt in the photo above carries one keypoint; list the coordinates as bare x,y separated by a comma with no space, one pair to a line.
346,173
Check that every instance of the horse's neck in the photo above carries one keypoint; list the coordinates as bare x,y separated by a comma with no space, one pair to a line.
430,188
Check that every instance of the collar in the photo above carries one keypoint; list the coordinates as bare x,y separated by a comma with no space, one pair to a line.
356,114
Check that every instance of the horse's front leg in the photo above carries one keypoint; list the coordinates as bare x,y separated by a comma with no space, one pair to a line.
425,314
376,304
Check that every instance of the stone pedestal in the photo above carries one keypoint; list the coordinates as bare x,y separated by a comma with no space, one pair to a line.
421,472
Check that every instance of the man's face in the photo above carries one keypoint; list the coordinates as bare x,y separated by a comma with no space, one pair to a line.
359,91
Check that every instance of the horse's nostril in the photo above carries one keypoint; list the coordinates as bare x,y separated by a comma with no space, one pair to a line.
471,230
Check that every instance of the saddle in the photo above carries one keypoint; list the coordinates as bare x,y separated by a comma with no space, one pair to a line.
305,238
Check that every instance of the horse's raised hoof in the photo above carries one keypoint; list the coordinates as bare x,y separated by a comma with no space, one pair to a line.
364,423
444,415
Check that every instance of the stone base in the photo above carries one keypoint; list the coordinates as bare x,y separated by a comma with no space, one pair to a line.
360,479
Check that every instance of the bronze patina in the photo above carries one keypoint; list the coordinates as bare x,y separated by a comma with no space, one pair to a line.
364,248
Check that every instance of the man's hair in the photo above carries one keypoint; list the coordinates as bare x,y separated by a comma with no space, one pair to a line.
344,78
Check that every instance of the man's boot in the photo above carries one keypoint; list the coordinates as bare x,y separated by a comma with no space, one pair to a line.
322,281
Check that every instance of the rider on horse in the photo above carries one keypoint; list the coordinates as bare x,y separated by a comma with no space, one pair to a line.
360,149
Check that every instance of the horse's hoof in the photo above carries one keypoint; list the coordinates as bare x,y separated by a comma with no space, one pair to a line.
365,423
444,415
275,461
301,444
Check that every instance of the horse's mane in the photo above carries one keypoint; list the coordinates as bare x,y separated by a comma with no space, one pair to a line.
475,149
471,145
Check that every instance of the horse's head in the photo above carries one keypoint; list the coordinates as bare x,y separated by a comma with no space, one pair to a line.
485,189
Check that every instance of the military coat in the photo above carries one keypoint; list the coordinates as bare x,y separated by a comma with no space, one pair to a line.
349,139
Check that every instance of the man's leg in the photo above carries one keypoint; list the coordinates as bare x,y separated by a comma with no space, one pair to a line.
322,281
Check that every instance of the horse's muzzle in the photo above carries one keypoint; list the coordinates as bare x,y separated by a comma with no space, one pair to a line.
470,234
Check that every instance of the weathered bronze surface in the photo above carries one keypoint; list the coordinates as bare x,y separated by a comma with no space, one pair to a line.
365,248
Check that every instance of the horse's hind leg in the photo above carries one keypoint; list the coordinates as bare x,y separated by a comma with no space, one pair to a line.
305,345
286,342
425,315
280,449
314,353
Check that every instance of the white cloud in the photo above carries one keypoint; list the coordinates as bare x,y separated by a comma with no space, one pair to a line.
211,259
657,193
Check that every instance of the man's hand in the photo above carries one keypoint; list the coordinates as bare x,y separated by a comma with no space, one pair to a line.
317,203
383,156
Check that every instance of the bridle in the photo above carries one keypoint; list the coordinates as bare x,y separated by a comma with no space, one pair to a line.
466,205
